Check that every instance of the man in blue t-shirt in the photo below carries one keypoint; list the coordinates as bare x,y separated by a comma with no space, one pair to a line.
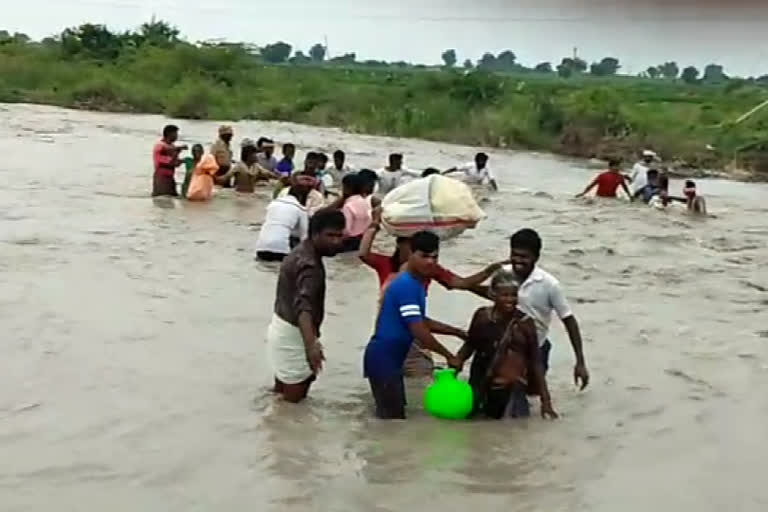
402,318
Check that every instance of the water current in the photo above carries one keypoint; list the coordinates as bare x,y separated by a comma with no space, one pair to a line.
133,373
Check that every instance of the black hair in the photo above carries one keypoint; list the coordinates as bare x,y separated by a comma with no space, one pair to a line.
353,183
425,241
246,151
338,154
614,162
526,239
261,140
652,172
481,156
312,156
322,157
429,171
395,156
326,219
368,176
198,146
169,129
289,145
690,184
394,260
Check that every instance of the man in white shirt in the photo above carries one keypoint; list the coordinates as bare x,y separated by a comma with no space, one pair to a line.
339,169
540,295
394,175
477,172
638,177
286,223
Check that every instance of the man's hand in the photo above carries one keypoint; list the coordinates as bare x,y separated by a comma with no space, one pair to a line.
493,267
580,373
456,363
315,357
376,216
547,412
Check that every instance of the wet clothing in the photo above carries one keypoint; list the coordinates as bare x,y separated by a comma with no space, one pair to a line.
285,167
639,177
286,352
165,161
389,397
270,256
189,167
501,347
390,180
301,286
540,295
201,185
266,162
475,176
357,213
404,303
315,200
222,152
286,219
608,183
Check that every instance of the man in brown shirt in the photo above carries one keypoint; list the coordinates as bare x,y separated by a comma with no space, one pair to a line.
293,335
222,152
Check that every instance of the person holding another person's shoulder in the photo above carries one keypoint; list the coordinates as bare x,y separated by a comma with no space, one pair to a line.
286,223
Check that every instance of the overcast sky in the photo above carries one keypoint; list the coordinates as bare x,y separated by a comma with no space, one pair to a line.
638,32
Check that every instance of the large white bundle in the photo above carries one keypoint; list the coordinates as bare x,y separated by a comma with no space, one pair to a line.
437,203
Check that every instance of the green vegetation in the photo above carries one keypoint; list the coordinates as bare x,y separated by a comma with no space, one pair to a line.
574,108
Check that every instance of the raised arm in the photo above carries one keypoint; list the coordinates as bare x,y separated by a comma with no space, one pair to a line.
437,327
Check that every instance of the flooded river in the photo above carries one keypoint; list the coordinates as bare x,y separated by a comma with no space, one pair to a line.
133,373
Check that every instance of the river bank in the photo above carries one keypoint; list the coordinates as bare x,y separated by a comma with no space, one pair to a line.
692,126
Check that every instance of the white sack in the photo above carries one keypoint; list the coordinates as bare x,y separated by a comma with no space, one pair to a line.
436,203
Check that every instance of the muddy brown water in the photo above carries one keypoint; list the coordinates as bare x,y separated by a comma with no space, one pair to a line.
133,373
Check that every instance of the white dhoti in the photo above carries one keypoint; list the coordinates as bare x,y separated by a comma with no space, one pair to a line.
286,352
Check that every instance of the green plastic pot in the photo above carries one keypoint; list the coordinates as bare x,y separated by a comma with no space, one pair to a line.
447,397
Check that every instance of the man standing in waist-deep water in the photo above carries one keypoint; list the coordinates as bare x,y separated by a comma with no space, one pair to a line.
293,336
165,158
540,295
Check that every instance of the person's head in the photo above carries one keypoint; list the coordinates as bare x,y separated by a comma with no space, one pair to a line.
338,158
300,188
351,185
197,152
311,162
614,164
289,150
248,154
226,133
689,189
429,171
503,289
368,180
266,146
481,160
326,230
425,250
395,162
322,161
653,177
648,156
524,251
171,133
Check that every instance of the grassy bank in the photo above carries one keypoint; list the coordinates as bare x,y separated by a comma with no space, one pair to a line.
580,116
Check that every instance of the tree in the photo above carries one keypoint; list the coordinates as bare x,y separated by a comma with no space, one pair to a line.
506,60
569,66
487,62
91,40
449,58
317,53
690,75
713,74
346,59
468,64
276,53
606,67
543,67
669,70
300,58
156,33
653,72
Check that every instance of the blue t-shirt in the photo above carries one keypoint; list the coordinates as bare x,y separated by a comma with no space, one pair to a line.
404,303
284,167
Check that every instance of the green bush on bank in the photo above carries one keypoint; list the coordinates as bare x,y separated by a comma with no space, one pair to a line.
582,116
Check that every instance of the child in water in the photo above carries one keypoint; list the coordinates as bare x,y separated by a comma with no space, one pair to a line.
506,355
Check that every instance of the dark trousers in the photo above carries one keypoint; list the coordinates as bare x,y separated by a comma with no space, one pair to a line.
389,395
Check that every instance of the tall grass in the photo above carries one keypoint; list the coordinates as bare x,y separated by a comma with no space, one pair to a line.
583,116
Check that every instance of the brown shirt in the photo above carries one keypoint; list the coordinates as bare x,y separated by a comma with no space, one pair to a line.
301,286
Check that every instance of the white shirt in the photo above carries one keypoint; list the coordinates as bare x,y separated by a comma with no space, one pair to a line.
475,176
539,296
315,200
390,180
286,218
639,176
